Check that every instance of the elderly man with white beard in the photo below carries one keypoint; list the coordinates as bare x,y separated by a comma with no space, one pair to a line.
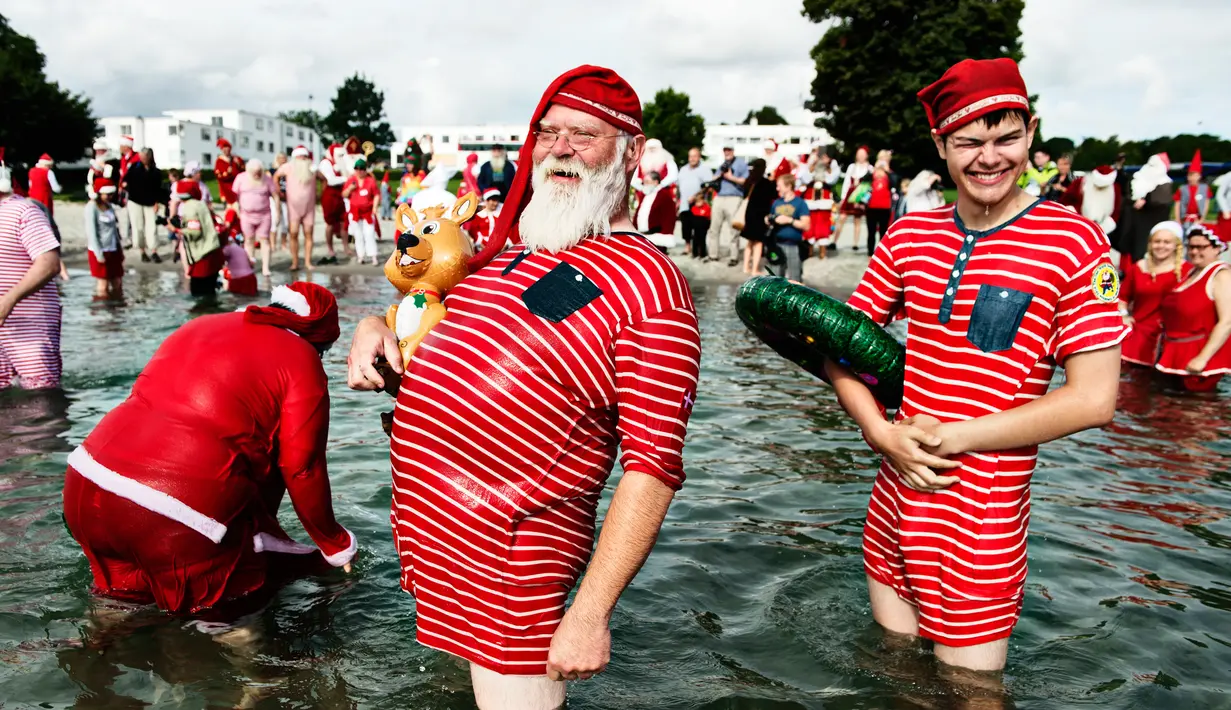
581,339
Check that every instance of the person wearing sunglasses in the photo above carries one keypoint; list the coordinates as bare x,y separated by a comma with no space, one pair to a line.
1197,317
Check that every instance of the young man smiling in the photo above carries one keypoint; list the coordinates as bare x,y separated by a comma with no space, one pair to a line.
998,290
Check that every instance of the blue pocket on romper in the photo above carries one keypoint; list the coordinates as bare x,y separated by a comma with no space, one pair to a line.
560,293
996,317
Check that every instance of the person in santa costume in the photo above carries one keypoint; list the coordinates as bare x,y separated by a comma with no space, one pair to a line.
128,156
848,207
227,167
333,208
1096,196
363,200
655,215
470,176
41,183
483,225
199,242
174,496
1197,317
300,180
1192,200
579,341
655,159
29,301
104,246
1222,201
1147,282
776,163
998,290
101,166
1151,193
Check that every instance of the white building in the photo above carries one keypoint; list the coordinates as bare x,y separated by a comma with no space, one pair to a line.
451,144
182,135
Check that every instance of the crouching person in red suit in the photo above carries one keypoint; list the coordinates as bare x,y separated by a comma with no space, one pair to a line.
174,496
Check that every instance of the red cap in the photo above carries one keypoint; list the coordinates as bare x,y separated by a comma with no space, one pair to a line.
44,158
971,89
306,309
103,186
185,189
222,143
1165,158
472,158
1195,166
597,91
491,193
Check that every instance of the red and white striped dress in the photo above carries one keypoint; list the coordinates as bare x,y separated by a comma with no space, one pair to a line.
990,315
30,336
506,428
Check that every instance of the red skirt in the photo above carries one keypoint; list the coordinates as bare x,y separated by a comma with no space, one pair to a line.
243,286
333,207
1223,229
111,267
1140,346
207,266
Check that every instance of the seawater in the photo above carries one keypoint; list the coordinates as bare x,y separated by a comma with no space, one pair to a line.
753,598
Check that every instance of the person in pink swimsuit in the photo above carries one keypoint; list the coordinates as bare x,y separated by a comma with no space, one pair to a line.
254,190
301,182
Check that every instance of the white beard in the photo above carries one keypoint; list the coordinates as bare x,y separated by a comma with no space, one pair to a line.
497,164
301,170
559,216
1097,202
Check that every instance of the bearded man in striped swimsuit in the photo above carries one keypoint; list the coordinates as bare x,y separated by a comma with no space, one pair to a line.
998,290
580,340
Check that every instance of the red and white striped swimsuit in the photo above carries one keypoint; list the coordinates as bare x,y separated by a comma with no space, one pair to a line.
506,429
990,314
30,336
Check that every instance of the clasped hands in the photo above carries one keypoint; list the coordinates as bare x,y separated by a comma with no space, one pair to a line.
918,448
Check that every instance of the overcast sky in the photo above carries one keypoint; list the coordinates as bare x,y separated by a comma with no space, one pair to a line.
1136,68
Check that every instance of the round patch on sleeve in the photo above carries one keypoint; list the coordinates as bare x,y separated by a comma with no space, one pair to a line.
1105,283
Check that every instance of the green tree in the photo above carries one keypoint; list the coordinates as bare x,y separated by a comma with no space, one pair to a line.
670,119
877,55
308,119
359,110
765,116
38,115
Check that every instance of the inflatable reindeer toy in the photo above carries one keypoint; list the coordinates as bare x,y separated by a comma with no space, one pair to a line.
433,255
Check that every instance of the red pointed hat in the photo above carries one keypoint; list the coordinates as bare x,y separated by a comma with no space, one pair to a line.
222,143
597,91
971,89
304,308
1195,166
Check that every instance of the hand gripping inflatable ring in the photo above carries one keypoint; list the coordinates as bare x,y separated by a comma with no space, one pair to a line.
806,327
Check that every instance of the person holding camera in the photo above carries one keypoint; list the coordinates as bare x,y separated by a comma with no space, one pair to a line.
732,175
691,182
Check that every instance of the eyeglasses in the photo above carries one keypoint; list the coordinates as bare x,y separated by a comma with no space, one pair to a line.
577,141
1199,247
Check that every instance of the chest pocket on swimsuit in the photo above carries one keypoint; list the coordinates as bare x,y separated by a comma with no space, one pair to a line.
996,316
560,293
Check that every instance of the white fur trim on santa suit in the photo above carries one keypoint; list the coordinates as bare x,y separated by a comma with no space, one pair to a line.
291,299
344,557
126,140
1101,179
1098,202
100,145
152,500
300,152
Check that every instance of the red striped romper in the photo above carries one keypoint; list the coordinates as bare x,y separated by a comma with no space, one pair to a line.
30,336
990,314
506,429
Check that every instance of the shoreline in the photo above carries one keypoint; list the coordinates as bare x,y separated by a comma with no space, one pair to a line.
836,273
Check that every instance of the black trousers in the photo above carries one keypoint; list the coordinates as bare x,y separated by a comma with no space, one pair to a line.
693,229
878,224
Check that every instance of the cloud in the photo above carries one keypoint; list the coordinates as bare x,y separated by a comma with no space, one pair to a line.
1099,66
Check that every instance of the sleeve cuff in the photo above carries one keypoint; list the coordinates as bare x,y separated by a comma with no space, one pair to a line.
339,559
663,477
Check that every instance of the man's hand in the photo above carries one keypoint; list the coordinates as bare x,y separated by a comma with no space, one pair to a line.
580,648
1140,203
783,219
6,307
372,339
902,444
1194,367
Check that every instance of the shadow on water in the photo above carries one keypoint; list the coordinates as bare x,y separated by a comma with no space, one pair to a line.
754,597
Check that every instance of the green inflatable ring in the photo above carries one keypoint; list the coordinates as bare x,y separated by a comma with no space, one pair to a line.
807,327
